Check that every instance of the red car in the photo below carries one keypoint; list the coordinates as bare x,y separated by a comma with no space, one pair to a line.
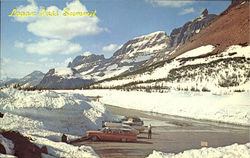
109,134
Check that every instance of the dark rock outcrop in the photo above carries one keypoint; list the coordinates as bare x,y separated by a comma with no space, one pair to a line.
180,35
52,80
79,60
22,145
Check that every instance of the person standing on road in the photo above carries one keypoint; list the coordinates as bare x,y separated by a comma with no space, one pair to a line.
149,131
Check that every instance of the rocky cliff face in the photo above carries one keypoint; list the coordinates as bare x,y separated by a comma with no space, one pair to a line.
235,2
80,60
87,64
180,35
137,51
129,57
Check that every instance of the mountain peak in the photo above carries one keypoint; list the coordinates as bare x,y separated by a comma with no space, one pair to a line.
205,12
151,34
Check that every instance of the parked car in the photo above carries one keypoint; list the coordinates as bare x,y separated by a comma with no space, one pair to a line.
122,126
133,121
112,134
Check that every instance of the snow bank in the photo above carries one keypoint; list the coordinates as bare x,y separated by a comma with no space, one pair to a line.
45,115
197,52
8,145
231,108
232,151
60,149
64,112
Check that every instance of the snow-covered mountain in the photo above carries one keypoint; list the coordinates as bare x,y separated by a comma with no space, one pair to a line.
91,68
61,78
217,58
8,81
128,58
30,80
144,55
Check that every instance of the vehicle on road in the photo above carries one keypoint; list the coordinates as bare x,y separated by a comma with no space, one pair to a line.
112,134
133,121
122,126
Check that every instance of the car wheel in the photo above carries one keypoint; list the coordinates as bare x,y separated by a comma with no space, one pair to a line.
124,140
94,138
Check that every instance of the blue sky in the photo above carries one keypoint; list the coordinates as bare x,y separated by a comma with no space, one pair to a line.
42,43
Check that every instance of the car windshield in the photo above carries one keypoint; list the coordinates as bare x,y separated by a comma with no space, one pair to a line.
103,130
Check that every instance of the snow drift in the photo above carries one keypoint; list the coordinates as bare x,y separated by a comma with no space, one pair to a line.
232,151
45,115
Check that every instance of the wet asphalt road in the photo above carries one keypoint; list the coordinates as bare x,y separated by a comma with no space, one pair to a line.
170,134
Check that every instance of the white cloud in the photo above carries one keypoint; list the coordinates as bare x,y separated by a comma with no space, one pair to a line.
187,11
18,44
53,46
169,3
5,61
32,7
87,53
58,30
19,69
44,59
111,48
60,27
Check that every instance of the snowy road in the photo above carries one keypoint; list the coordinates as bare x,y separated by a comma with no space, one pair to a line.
171,134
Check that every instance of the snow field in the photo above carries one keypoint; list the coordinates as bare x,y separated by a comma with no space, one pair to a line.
198,51
232,151
211,81
230,108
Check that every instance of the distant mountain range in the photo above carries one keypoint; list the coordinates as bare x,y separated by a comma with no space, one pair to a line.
216,58
30,80
205,53
129,57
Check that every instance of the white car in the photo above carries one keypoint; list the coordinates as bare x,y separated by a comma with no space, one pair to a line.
113,125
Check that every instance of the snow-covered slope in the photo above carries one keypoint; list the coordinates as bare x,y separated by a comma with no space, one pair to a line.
45,115
32,79
192,71
232,151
